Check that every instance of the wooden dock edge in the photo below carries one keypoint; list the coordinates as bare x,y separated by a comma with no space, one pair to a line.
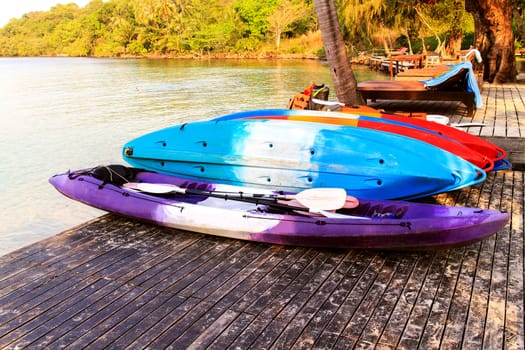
515,147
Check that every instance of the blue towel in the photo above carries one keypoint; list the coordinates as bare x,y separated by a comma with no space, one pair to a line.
471,84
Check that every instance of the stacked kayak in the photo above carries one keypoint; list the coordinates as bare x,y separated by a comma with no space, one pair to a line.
271,217
490,150
254,149
471,148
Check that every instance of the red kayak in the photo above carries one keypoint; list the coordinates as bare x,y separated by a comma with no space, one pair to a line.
418,121
492,151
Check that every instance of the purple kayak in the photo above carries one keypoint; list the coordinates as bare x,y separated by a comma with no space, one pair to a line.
271,217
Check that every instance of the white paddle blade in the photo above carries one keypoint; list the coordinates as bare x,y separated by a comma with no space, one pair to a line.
327,103
322,198
333,215
153,188
467,125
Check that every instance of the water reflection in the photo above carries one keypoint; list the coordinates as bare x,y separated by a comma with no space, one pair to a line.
64,113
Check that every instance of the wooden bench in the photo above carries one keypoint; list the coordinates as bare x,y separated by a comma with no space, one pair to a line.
451,90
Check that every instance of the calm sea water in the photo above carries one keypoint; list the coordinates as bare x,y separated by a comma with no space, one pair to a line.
68,113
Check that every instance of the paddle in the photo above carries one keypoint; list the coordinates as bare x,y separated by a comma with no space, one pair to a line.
467,125
315,199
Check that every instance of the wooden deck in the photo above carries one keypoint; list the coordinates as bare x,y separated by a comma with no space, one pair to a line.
115,283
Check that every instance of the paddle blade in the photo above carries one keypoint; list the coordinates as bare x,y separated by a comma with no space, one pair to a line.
351,202
153,188
333,215
322,198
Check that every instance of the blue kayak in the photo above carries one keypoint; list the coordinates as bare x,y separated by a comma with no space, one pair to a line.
293,156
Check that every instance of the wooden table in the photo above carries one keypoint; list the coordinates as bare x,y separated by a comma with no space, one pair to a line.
403,61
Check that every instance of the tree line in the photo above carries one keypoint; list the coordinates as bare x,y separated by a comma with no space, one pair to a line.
158,27
242,28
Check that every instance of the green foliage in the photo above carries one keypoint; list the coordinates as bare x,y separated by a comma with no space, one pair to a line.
392,23
253,15
149,27
468,40
114,28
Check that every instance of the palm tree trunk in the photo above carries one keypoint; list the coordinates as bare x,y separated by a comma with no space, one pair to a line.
345,84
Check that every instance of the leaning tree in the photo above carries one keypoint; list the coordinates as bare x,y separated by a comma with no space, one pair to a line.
345,84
